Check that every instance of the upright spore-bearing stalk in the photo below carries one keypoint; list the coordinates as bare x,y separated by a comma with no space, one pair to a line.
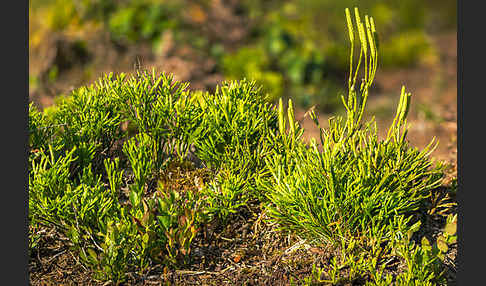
366,33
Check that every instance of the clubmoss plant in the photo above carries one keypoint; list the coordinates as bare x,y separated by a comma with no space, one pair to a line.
357,184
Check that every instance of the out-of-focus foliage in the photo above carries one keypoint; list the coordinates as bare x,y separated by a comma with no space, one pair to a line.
138,20
294,47
302,42
128,21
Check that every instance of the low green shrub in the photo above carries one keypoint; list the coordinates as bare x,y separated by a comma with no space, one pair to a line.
92,180
352,184
98,156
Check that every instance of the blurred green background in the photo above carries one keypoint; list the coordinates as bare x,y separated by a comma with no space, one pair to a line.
293,48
